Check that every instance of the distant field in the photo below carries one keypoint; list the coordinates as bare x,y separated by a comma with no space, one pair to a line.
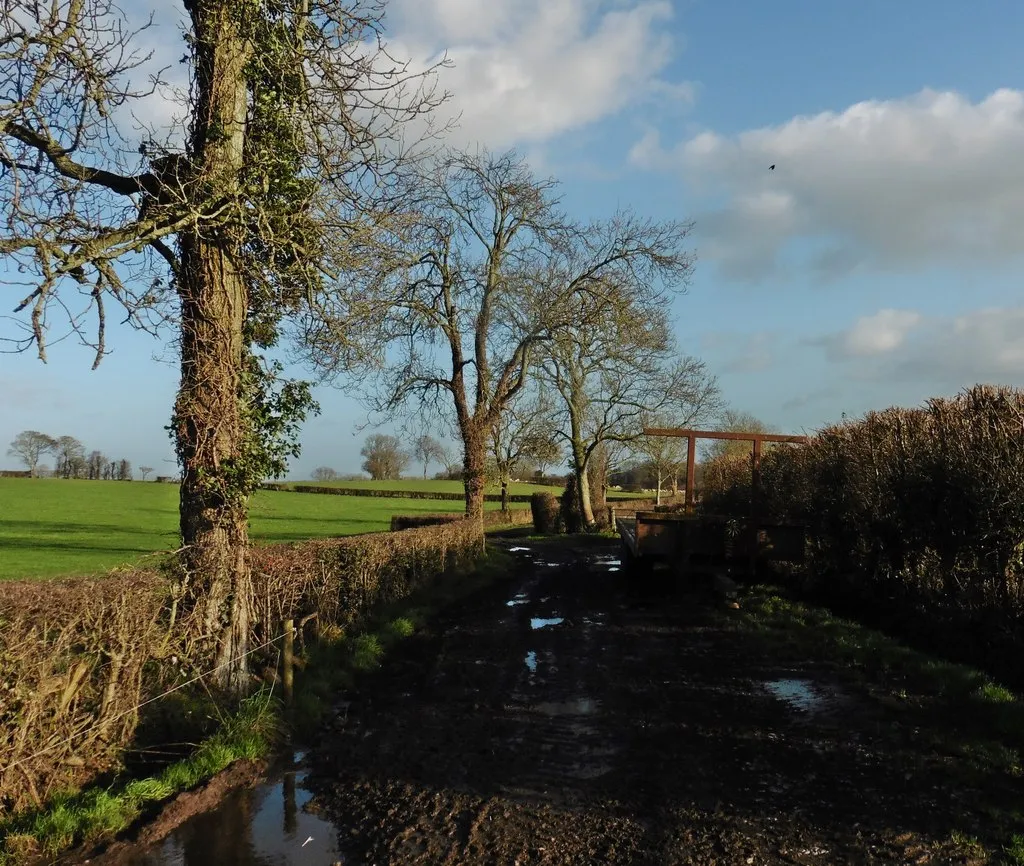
431,486
52,527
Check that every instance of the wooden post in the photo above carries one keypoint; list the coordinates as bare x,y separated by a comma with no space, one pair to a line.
755,504
691,472
755,485
288,661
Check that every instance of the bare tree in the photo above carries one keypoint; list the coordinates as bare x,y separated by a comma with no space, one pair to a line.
451,462
97,464
427,449
294,129
70,458
385,459
144,471
29,446
69,455
494,271
616,369
737,421
324,473
523,432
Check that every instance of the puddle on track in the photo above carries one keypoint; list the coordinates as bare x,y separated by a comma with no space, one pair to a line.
521,598
519,550
543,622
262,826
531,661
801,695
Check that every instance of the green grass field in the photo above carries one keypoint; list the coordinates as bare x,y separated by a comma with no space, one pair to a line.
53,527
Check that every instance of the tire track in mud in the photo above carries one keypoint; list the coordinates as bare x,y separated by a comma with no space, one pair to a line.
568,720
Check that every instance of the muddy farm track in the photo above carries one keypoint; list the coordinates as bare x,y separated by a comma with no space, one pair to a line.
568,719
561,716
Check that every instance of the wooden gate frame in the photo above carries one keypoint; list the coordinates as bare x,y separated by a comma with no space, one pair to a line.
692,436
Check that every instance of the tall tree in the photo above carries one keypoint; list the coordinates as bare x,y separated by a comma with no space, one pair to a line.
97,463
616,368
29,446
494,271
294,118
427,449
384,458
70,457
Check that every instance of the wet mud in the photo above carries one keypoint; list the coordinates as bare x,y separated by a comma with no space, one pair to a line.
572,716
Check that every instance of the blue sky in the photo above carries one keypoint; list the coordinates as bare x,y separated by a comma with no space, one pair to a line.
878,265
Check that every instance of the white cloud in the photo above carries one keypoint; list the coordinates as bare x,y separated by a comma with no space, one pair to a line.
883,332
985,345
526,71
896,184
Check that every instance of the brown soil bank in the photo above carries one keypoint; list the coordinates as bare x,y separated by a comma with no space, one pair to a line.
573,720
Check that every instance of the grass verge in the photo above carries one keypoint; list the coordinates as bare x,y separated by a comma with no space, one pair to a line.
74,818
974,723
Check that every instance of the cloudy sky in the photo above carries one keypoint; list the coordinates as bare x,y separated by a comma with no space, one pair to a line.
879,264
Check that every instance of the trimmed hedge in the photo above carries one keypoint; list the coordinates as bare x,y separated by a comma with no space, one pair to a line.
544,509
918,511
78,656
516,517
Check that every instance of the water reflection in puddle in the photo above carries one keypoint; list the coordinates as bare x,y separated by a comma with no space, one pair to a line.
519,550
543,622
799,694
262,826
521,598
544,564
531,661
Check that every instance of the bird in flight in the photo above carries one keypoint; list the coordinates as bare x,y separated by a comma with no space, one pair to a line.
771,167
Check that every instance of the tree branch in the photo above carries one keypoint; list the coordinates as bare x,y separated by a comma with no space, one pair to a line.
58,158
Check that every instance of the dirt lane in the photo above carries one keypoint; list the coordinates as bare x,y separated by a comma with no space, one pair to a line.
564,719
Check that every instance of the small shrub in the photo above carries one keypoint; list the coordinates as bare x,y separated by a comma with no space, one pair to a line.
544,508
366,652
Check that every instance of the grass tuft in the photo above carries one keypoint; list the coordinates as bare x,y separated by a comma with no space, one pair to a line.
1014,850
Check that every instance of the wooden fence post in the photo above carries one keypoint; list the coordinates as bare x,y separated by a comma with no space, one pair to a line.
288,661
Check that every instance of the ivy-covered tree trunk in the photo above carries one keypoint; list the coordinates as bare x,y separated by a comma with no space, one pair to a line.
210,426
475,468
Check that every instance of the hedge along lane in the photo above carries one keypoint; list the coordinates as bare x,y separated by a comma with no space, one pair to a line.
71,688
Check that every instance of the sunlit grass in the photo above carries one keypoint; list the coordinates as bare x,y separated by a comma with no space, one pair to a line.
54,527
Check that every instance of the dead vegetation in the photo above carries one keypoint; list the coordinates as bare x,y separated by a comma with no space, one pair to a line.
78,657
